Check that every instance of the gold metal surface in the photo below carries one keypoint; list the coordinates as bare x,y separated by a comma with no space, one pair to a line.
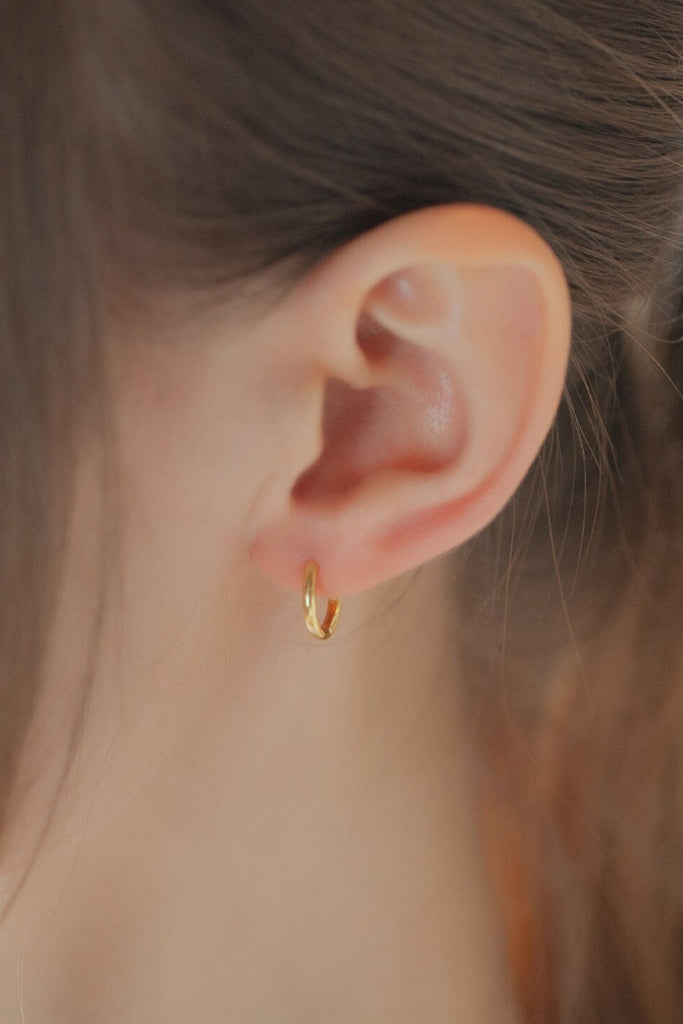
325,630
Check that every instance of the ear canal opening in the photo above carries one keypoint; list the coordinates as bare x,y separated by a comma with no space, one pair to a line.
412,420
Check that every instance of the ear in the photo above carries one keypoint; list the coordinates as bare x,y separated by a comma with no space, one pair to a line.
435,352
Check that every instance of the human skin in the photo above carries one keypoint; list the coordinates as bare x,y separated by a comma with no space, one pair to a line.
259,826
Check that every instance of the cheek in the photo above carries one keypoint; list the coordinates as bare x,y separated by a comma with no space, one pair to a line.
187,423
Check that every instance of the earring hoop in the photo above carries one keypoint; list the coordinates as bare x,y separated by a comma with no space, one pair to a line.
324,630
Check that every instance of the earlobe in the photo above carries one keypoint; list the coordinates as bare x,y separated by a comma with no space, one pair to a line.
461,338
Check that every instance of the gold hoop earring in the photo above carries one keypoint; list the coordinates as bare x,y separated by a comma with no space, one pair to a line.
325,630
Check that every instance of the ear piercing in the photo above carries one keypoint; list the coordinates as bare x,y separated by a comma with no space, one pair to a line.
325,629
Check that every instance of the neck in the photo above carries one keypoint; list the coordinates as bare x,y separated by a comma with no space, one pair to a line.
284,830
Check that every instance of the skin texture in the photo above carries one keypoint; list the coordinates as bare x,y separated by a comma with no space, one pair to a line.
258,826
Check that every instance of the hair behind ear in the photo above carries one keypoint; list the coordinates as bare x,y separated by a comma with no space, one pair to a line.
580,655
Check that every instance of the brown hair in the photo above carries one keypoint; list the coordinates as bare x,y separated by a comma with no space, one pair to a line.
161,145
